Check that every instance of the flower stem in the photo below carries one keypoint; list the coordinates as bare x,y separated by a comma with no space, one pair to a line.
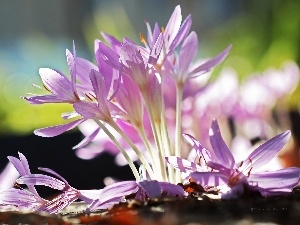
148,145
123,151
179,93
135,149
155,129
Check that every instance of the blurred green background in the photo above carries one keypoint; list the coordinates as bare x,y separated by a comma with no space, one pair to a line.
36,33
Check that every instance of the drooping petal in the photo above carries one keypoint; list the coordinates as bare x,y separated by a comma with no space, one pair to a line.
113,193
20,198
219,146
41,179
265,152
55,174
57,130
205,67
276,181
87,139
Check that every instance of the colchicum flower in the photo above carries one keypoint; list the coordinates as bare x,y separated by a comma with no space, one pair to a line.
136,101
231,176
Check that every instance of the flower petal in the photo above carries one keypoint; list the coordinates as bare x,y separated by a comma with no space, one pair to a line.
200,150
219,146
172,26
58,84
172,189
54,173
57,130
182,33
87,139
205,67
20,198
188,52
150,187
265,152
41,179
209,178
113,193
277,180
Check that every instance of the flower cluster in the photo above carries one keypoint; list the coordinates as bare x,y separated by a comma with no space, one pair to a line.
136,101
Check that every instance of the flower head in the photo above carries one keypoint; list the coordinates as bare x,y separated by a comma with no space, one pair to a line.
229,175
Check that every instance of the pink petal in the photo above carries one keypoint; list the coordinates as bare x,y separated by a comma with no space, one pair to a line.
172,189
205,67
53,173
87,139
83,68
188,52
182,33
200,150
57,130
209,178
219,146
87,109
58,84
278,180
41,179
265,152
150,187
172,26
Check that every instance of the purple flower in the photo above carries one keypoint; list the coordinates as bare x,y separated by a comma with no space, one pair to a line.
173,34
182,68
61,88
228,172
229,176
31,200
